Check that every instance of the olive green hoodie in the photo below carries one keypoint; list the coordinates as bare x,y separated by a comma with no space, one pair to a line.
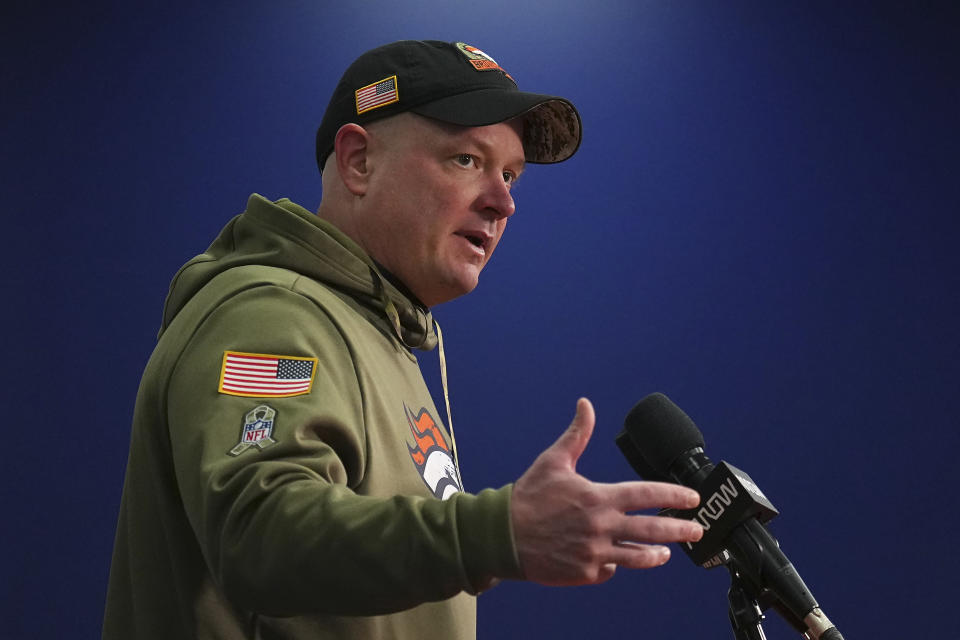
316,497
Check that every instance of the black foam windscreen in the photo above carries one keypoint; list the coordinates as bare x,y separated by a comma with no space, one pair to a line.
632,453
661,431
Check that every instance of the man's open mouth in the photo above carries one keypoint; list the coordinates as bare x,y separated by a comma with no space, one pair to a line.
476,239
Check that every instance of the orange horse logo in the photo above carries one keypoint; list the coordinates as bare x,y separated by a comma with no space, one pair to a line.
432,455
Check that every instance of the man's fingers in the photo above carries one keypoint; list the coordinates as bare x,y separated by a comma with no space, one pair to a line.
606,572
639,556
571,444
657,529
638,495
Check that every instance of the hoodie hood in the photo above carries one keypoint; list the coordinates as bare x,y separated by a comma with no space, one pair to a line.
285,235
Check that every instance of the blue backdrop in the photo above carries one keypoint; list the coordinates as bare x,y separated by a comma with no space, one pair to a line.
761,223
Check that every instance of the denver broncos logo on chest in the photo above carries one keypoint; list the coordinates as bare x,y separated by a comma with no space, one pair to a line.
432,455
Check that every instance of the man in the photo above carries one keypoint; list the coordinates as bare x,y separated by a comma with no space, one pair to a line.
289,475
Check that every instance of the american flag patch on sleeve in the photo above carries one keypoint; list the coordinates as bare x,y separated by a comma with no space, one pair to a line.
258,375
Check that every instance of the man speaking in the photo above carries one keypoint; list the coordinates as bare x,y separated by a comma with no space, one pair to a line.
289,475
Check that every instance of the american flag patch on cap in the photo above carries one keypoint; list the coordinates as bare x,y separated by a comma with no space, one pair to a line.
259,375
377,94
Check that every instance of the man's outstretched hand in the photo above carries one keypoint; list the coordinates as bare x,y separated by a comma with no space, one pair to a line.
571,531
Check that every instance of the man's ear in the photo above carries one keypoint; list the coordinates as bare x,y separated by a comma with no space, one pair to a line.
351,147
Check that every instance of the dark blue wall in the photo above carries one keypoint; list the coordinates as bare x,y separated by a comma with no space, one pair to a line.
761,222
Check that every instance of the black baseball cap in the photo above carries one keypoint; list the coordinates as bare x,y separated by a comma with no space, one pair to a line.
452,82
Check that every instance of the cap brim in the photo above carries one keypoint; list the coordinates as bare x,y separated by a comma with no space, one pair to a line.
551,131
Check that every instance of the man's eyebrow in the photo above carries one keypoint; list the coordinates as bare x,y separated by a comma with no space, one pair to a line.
486,148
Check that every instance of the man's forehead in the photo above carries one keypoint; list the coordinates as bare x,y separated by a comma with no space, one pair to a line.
488,140
415,127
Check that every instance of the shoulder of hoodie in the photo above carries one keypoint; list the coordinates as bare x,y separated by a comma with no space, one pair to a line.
228,285
344,316
240,292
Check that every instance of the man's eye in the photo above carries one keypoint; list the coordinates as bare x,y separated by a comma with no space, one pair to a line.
465,160
509,178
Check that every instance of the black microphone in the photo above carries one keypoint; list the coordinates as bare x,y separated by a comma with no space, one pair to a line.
662,443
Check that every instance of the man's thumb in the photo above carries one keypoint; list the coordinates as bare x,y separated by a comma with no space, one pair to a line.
574,440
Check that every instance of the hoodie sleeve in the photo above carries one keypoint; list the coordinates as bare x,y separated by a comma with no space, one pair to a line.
282,527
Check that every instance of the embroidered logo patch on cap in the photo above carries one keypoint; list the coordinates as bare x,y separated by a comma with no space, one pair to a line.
480,60
259,375
377,94
257,429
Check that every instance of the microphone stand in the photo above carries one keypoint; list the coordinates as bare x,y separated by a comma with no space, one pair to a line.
745,613
747,607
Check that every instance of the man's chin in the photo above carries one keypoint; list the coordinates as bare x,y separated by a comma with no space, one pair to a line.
452,290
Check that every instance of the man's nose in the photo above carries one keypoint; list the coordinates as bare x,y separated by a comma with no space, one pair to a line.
496,198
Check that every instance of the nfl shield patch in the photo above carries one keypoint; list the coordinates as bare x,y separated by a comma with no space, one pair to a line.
257,429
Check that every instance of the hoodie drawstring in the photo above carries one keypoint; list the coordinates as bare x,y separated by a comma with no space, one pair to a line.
446,399
394,316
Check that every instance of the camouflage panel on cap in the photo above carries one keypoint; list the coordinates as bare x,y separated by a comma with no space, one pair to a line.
551,132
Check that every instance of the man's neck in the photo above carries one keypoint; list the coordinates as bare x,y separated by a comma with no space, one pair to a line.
395,281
